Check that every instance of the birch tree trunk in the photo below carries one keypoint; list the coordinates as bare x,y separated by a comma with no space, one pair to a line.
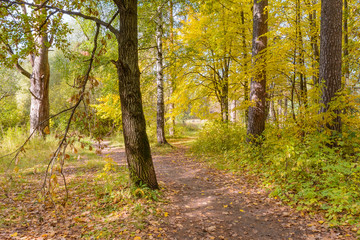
160,107
172,72
137,145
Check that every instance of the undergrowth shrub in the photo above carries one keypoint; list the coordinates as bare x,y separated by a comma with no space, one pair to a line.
297,166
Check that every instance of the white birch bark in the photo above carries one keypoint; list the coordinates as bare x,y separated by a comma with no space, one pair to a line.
160,119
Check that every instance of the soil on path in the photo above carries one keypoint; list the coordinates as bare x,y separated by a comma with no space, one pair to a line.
205,203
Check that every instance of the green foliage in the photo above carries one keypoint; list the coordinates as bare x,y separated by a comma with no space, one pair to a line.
301,169
35,155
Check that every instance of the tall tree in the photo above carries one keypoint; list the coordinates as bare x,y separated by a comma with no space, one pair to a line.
314,39
257,112
31,39
245,64
346,70
172,74
209,36
160,117
137,145
330,57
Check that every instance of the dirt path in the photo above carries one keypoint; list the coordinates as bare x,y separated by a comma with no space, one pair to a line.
209,204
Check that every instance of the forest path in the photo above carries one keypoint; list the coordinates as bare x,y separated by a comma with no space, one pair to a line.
205,203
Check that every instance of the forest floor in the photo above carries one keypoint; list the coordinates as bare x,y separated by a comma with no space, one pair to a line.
205,203
194,202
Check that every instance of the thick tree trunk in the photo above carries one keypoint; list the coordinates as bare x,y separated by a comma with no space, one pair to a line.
330,56
257,112
39,89
160,107
136,141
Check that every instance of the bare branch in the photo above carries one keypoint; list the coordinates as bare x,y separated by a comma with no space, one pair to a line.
87,77
113,18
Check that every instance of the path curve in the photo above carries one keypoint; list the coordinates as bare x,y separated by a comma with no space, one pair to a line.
205,203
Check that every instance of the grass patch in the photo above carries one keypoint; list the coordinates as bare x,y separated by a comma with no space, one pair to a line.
101,205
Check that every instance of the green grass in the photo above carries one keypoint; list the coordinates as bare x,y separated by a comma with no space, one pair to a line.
100,198
302,171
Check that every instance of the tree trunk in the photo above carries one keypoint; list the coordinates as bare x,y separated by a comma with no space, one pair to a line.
346,44
272,112
330,56
224,105
172,73
314,42
224,97
160,117
233,111
303,84
257,113
39,88
136,141
245,56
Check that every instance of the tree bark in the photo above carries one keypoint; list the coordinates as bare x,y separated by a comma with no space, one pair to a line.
137,145
257,113
224,104
314,42
172,72
346,44
245,56
160,116
40,75
224,98
330,56
233,111
303,83
39,88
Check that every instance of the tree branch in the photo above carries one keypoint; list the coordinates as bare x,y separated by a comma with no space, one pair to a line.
63,140
113,18
69,12
5,95
17,65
